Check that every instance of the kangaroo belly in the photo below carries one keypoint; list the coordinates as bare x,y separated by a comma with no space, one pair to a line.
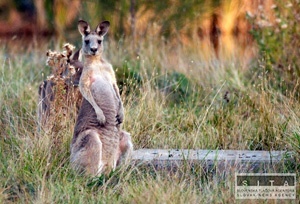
105,97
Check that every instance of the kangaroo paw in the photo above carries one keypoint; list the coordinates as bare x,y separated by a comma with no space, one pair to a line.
101,119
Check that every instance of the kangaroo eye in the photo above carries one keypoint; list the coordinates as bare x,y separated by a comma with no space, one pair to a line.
99,42
87,41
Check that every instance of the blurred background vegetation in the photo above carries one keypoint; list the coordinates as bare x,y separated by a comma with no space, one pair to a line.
208,21
234,26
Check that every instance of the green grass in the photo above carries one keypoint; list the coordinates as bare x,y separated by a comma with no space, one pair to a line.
172,99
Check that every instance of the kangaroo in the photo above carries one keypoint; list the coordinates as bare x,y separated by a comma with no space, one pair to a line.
98,144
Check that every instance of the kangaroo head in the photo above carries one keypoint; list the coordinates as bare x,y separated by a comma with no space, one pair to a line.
92,40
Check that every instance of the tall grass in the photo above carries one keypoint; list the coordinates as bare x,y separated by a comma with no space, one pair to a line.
174,97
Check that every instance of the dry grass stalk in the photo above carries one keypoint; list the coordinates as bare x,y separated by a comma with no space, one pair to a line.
59,96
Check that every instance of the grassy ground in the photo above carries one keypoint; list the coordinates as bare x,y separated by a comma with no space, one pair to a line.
174,97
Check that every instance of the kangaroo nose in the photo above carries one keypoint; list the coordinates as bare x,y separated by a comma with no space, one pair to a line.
94,50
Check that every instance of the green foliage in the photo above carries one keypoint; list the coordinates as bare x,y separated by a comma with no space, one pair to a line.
179,13
107,10
278,41
50,13
128,77
176,87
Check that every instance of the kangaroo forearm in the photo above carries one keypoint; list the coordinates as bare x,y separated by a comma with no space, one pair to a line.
115,86
86,93
118,97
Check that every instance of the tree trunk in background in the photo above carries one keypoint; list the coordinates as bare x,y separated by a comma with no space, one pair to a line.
40,14
132,22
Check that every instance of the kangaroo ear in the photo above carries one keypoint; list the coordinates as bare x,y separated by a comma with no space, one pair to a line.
76,55
102,28
83,27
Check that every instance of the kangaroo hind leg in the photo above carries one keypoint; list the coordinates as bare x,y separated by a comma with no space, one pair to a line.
86,153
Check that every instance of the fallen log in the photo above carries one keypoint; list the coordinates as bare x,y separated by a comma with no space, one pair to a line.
220,162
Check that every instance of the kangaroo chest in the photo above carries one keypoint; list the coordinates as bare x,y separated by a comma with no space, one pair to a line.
96,72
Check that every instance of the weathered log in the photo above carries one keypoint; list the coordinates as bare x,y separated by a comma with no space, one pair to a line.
216,161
